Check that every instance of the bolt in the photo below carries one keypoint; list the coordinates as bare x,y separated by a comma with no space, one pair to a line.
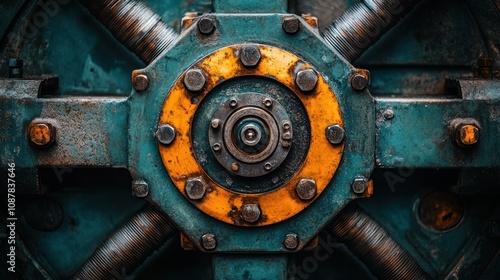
359,81
141,82
291,25
306,79
233,102
267,102
42,134
388,114
306,189
195,188
194,80
335,134
359,185
291,241
15,68
268,166
467,134
250,55
285,143
208,241
287,136
140,188
206,25
286,125
215,123
250,212
235,166
216,147
165,134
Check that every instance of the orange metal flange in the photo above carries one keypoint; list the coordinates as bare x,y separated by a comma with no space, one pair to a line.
279,204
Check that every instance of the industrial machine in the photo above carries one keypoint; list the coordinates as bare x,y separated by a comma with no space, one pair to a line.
337,139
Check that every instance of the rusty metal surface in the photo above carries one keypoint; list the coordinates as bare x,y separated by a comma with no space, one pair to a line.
418,136
372,244
220,201
90,131
363,25
440,210
135,25
128,246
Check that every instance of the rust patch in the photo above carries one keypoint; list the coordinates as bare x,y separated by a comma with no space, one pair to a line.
440,210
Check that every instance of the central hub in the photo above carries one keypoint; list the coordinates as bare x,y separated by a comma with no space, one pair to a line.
250,134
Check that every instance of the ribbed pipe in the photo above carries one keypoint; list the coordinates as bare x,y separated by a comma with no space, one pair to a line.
373,245
363,24
135,25
128,247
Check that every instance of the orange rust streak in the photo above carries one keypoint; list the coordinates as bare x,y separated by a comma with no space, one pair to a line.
322,159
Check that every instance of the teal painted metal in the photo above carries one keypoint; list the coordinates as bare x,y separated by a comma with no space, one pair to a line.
254,267
409,139
242,6
358,158
92,63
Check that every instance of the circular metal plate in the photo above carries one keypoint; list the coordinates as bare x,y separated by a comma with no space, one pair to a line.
281,203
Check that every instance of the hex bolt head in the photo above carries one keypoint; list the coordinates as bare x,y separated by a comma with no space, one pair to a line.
291,241
250,55
140,188
468,134
42,134
306,79
15,68
194,80
206,25
268,166
250,212
216,147
141,82
359,82
165,134
291,24
195,188
208,241
306,189
388,114
359,185
335,134
267,102
215,123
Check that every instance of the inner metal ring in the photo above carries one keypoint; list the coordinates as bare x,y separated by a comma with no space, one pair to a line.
250,135
268,121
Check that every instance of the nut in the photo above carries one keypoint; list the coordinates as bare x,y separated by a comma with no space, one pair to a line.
195,188
358,81
465,132
215,123
291,24
359,185
250,55
194,80
140,188
335,134
468,134
291,241
165,134
208,241
250,212
306,79
306,189
42,134
141,82
206,25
